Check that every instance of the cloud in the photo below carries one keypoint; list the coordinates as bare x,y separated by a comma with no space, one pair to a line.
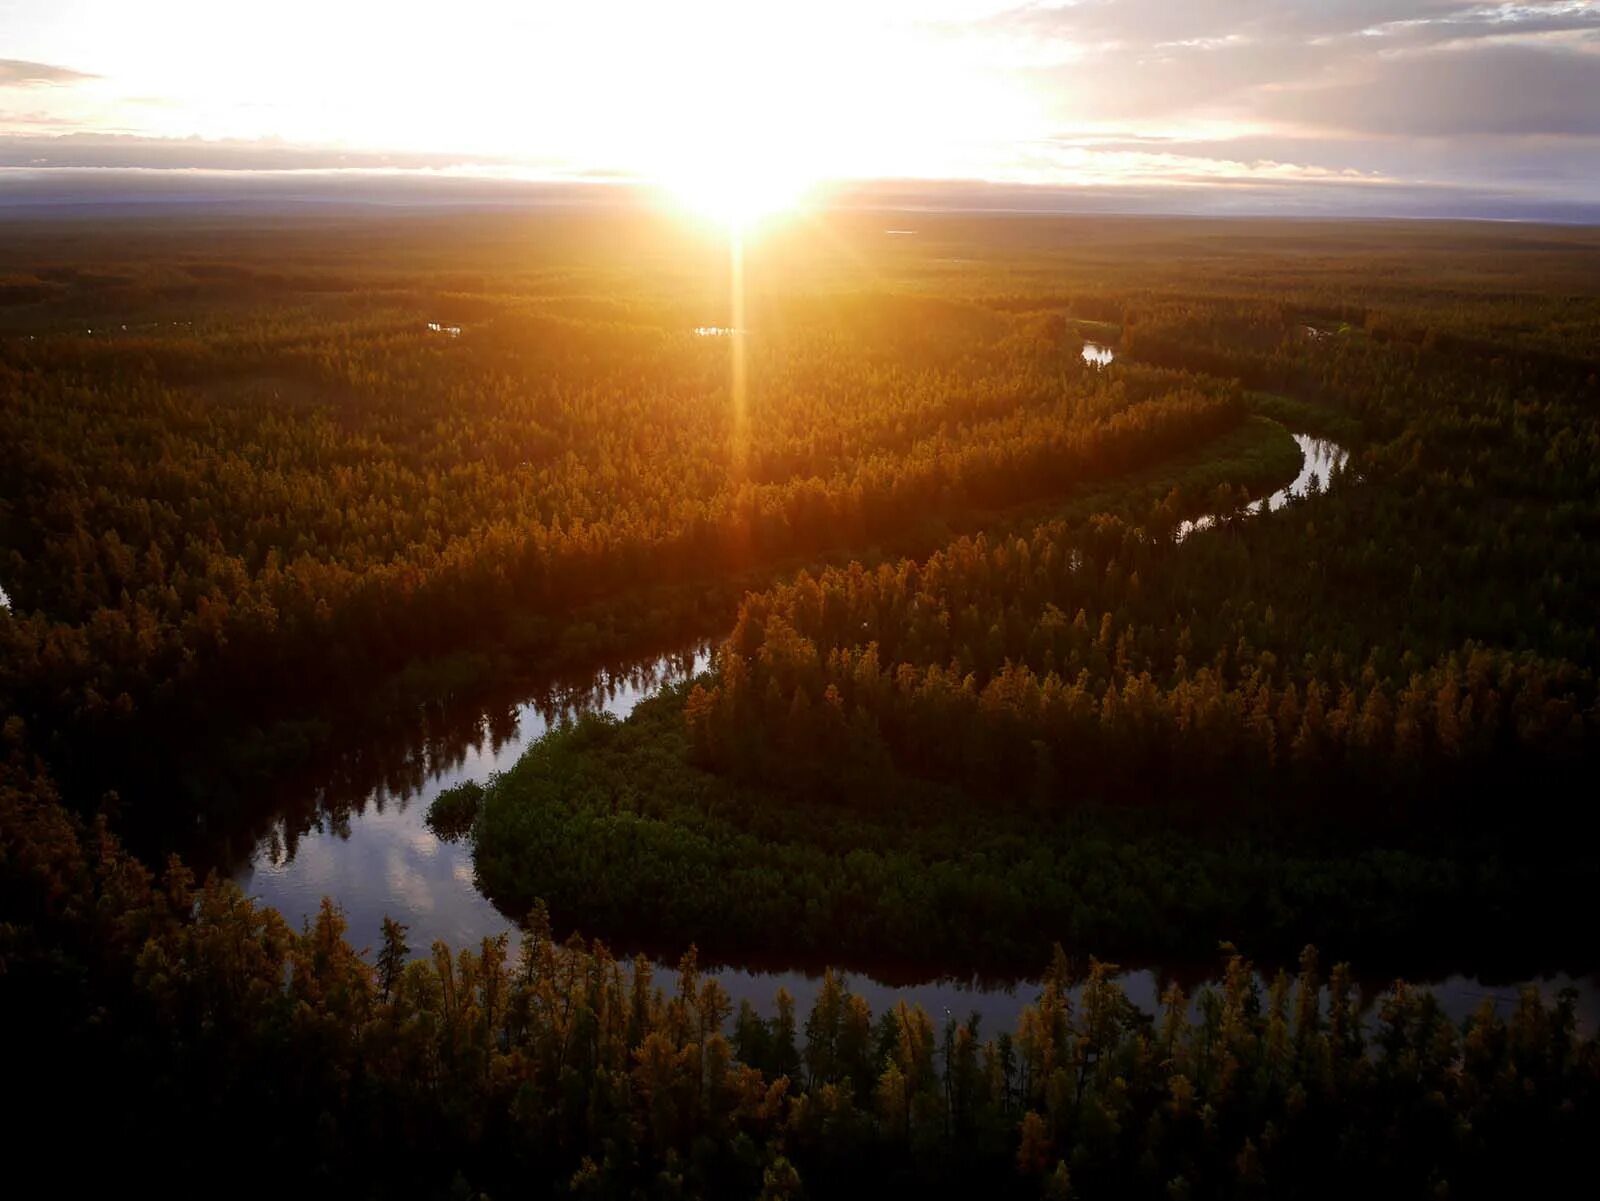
106,189
1202,24
125,151
1497,22
1495,89
1135,60
15,72
1502,99
1365,103
1288,197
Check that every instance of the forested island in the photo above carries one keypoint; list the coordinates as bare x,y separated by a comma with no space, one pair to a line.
1037,647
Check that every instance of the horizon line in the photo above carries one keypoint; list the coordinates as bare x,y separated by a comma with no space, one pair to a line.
44,189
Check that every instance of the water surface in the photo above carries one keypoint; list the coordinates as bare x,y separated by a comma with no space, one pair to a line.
360,833
998,1003
1319,459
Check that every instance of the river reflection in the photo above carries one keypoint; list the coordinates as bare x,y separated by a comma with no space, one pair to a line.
1319,459
359,833
998,1004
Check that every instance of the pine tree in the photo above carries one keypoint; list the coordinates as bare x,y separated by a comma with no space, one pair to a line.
392,959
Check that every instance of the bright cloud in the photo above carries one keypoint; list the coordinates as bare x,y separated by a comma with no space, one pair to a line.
1446,98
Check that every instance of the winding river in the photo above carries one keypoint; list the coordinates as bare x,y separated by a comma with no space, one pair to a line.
357,832
1319,459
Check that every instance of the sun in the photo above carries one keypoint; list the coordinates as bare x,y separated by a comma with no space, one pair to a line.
719,184
738,142
735,200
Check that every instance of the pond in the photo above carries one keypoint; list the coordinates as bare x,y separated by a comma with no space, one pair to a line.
1098,355
357,832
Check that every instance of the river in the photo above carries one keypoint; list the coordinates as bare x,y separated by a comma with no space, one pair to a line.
1097,354
358,833
1319,459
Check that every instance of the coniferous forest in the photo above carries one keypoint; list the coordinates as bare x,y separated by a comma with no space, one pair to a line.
1027,661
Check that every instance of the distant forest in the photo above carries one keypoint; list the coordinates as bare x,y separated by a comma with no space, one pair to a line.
975,699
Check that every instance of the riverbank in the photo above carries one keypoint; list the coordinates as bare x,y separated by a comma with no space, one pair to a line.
622,836
239,777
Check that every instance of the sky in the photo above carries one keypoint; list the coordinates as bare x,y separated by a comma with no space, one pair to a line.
1412,107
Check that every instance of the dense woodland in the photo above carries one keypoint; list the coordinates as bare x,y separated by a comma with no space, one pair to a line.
307,491
185,1019
1304,724
265,484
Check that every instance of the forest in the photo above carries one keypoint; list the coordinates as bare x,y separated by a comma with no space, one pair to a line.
557,1069
1308,724
1015,669
311,485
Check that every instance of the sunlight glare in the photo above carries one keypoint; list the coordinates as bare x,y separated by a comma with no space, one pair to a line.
743,137
738,195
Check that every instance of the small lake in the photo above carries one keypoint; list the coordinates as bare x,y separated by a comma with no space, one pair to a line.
357,832
1097,354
